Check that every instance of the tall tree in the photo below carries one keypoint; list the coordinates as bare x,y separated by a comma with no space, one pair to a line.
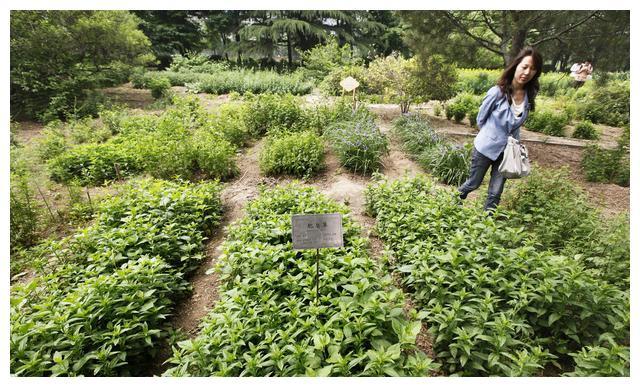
172,32
57,55
504,32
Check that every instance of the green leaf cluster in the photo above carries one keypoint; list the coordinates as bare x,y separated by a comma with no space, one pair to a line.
358,142
182,142
450,163
495,303
547,122
609,165
268,321
100,302
559,215
299,154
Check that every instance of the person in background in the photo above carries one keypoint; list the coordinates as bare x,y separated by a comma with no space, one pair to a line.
504,109
583,73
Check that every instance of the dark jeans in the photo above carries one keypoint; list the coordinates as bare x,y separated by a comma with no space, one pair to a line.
479,166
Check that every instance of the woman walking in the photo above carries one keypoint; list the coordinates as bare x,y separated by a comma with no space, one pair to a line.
504,109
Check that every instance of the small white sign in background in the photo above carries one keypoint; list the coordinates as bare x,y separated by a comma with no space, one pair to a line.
316,231
349,84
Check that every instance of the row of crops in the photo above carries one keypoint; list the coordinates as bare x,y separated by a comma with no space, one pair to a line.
496,301
268,321
100,301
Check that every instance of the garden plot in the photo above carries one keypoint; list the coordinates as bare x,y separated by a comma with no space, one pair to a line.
336,180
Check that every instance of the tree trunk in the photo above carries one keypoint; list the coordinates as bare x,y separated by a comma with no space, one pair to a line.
289,50
239,52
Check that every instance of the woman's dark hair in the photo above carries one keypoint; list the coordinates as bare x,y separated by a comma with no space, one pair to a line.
532,87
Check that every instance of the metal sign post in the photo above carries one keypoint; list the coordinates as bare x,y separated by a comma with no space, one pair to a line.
316,231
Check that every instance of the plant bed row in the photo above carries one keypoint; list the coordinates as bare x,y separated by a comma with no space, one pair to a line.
268,321
495,304
100,301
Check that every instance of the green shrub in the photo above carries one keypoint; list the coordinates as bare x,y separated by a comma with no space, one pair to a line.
51,144
416,133
586,130
23,212
214,155
557,213
495,304
606,105
109,289
450,163
476,81
555,84
272,112
547,122
606,165
359,144
268,321
159,86
464,104
93,164
323,58
229,121
298,154
319,117
606,360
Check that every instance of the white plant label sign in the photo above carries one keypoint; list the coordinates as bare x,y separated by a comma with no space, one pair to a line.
316,231
349,83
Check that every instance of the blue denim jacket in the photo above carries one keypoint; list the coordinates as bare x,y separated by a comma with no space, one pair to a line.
497,122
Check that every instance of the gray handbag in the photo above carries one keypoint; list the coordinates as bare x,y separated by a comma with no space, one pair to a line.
515,163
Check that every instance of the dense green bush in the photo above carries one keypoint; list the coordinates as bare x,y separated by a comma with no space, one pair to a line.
100,303
159,86
606,105
495,304
268,321
450,163
606,165
464,104
23,212
607,359
586,131
299,154
273,113
229,121
93,164
416,133
183,142
241,81
554,84
359,144
214,156
59,57
323,58
560,217
476,81
547,122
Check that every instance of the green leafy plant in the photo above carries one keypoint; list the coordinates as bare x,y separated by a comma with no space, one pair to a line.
159,86
99,303
547,122
298,154
495,304
450,163
268,321
359,144
586,130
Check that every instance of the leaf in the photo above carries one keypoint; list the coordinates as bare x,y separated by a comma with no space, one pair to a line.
324,371
553,317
